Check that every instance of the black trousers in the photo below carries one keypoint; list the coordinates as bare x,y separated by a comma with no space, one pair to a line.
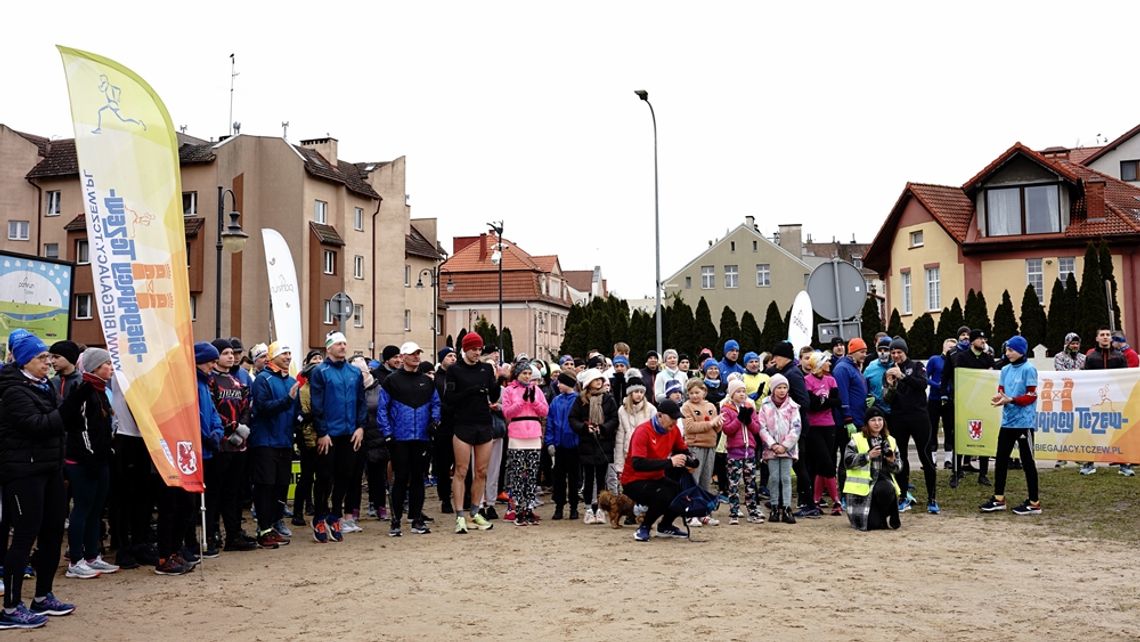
567,473
225,473
34,508
720,469
1023,437
377,474
334,473
443,458
408,468
134,488
656,495
356,482
915,426
593,474
177,512
805,474
303,493
821,450
269,471
884,510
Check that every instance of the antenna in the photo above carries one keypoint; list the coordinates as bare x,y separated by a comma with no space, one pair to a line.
182,128
236,128
285,129
233,74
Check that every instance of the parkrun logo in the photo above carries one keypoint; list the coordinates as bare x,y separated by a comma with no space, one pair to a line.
1057,412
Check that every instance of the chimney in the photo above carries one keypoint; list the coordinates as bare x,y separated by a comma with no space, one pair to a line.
1094,199
460,242
791,238
324,146
483,253
750,221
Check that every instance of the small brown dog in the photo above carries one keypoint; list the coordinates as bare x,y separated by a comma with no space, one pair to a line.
616,506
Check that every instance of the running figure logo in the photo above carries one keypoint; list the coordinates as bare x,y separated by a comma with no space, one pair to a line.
111,94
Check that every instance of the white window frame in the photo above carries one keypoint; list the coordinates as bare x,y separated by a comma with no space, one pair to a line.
53,203
321,212
49,255
916,238
708,277
933,289
358,219
357,315
1062,273
358,267
1035,276
328,320
329,262
80,316
407,320
82,252
731,277
763,275
15,227
407,275
192,210
906,290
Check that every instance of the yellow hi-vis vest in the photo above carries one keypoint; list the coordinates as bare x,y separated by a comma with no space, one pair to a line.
859,479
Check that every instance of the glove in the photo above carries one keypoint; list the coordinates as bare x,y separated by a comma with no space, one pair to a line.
870,400
745,415
528,394
235,440
850,428
242,430
551,449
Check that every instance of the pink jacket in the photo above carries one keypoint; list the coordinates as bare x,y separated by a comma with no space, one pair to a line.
820,387
523,416
740,440
780,425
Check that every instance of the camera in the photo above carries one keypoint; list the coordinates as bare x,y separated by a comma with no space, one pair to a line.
885,448
692,462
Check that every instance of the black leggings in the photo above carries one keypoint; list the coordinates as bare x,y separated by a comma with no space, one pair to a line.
1023,437
567,474
408,465
821,449
176,516
334,474
35,508
225,474
805,474
303,493
443,458
656,495
915,426
377,474
89,484
593,474
133,489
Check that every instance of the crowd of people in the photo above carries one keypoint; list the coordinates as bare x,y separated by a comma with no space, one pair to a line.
486,434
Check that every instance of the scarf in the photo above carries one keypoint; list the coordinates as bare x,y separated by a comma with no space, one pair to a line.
597,417
657,427
712,384
95,382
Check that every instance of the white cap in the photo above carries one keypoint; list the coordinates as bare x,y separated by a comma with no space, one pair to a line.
587,376
410,347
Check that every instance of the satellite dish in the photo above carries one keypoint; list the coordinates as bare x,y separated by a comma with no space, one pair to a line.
800,323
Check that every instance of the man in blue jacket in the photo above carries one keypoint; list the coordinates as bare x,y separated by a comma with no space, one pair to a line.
339,414
407,416
275,409
731,361
852,393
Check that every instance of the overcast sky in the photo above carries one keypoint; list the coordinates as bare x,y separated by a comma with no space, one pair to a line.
815,113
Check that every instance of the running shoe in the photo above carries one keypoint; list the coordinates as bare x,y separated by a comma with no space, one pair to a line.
836,509
1088,468
905,504
81,571
733,520
695,522
531,518
503,498
809,511
642,534
490,513
282,529
992,505
49,605
1028,508
212,551
267,540
460,525
381,513
335,533
320,531
519,519
394,529
983,480
105,568
588,518
298,520
671,531
170,566
932,507
1126,470
420,528
758,518
482,522
348,525
510,515
21,618
188,557
708,521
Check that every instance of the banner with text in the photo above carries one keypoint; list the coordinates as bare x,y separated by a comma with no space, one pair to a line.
284,294
1091,415
132,197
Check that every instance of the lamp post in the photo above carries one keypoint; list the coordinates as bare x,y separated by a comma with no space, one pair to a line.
644,95
232,238
433,273
497,259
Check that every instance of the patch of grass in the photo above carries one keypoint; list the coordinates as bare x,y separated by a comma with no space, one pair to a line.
1101,506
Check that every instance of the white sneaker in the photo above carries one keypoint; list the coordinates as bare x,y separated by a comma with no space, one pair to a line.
1126,470
695,521
80,570
710,521
1088,469
588,517
349,525
99,565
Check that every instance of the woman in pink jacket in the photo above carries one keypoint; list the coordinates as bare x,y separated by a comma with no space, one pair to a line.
780,432
524,407
742,435
823,401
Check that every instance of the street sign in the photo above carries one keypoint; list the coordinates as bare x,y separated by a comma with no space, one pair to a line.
828,331
837,290
341,306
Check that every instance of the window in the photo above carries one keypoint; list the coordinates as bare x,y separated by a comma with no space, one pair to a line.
82,306
906,293
358,219
82,256
1066,265
189,203
187,254
53,206
1130,170
19,230
407,276
1031,209
330,262
407,320
708,277
763,275
320,212
857,261
933,289
357,316
688,282
193,307
51,250
755,246
732,246
916,238
1035,276
731,276
328,312
358,267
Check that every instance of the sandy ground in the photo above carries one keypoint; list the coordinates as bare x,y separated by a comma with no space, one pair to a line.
945,577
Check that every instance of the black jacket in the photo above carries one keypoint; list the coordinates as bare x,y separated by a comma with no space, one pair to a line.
1102,359
31,428
909,397
468,390
593,451
962,358
87,422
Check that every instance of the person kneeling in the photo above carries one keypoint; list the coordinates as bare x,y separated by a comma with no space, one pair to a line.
656,447
871,461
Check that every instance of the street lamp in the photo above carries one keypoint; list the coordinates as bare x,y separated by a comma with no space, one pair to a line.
644,95
232,238
433,273
497,259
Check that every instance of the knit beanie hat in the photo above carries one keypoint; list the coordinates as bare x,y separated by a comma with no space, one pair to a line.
334,338
567,379
471,341
310,354
93,358
777,380
783,349
258,351
25,346
709,363
750,357
634,383
962,329
672,386
898,343
66,349
443,352
733,386
205,353
1018,344
731,345
222,344
622,360
390,352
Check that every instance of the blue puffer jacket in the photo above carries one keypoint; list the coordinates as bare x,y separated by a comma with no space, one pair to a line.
408,405
274,411
558,430
211,423
337,391
852,390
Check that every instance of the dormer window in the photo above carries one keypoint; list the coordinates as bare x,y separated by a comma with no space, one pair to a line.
1026,209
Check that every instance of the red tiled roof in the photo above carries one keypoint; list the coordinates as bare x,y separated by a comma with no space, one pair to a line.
483,287
948,205
546,263
468,259
1007,155
1111,146
476,278
580,280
